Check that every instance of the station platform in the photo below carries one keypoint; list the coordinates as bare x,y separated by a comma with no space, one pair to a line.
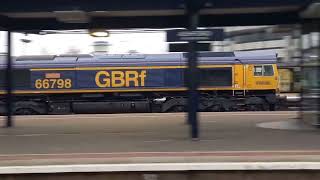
155,138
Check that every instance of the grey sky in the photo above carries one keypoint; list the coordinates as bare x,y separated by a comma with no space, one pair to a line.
61,43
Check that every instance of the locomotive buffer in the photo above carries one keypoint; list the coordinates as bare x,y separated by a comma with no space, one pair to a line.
192,36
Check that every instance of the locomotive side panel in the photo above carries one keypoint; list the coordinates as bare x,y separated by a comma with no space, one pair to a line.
261,77
21,79
239,77
216,77
42,80
139,78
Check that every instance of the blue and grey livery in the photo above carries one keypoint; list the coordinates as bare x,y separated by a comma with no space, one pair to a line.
72,79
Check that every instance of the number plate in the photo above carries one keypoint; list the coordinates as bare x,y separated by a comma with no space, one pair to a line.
53,84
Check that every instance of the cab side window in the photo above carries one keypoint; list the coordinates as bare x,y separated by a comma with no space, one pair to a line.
265,70
257,70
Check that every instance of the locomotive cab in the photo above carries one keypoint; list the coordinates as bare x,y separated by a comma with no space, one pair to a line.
262,77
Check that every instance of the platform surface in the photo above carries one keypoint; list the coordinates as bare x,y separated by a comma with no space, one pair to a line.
154,138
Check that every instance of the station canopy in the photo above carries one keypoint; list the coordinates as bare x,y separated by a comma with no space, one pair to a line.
28,15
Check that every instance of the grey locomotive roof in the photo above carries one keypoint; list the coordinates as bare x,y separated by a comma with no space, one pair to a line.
244,57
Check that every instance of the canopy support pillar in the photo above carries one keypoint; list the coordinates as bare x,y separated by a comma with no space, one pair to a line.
9,122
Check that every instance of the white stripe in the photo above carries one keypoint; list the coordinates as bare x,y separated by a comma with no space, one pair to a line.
161,167
112,116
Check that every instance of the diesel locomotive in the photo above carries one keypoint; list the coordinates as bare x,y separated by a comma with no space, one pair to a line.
66,84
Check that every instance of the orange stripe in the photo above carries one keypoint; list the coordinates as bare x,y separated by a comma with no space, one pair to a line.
133,67
109,90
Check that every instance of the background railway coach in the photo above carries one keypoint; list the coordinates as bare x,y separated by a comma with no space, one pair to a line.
140,83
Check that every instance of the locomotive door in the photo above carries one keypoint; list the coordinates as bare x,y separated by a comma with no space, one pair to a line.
260,76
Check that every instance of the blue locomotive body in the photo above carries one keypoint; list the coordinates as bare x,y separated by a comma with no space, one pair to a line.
104,79
126,83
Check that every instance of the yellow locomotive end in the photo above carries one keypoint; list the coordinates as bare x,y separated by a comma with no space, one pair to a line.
261,77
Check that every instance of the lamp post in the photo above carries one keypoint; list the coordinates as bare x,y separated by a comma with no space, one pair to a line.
99,33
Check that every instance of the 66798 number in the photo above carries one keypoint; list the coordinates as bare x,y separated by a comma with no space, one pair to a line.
53,83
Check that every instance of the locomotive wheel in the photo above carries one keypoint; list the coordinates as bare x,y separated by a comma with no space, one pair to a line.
25,111
256,104
215,108
252,107
257,107
178,108
272,107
